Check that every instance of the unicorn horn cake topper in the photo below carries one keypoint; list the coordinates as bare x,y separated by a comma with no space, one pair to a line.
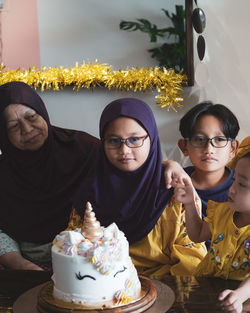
91,228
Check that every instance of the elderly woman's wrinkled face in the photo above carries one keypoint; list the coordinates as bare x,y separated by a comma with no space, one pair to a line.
26,129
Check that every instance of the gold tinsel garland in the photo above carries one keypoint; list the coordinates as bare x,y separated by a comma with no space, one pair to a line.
168,83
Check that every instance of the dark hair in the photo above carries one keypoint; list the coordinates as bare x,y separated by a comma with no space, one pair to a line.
229,121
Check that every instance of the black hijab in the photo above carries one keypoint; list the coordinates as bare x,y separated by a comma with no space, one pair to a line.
133,200
37,187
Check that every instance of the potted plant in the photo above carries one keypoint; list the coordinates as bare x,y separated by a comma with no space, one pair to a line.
172,53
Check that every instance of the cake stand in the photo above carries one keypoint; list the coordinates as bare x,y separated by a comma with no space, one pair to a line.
156,297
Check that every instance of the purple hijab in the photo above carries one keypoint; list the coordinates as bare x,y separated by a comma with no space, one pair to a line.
133,200
37,187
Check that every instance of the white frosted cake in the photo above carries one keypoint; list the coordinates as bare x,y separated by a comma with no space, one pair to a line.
92,267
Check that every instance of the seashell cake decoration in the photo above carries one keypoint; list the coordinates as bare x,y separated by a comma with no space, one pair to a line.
91,228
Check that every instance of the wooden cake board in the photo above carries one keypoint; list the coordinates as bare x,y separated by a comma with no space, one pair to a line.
157,298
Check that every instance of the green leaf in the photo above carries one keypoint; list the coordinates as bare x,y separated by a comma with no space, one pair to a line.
171,54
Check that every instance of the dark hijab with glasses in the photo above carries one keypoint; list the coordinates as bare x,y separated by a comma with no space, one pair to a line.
133,200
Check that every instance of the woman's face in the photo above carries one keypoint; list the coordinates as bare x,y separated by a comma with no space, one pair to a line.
126,158
26,129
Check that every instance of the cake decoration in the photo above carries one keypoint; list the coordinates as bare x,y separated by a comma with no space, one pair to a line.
91,228
91,265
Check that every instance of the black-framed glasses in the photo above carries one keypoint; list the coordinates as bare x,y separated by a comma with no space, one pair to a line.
202,141
131,142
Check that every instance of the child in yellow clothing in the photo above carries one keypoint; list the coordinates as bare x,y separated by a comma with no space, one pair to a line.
167,249
128,188
228,256
227,224
209,133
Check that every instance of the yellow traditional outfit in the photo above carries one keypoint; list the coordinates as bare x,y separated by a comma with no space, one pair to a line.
228,256
167,249
229,253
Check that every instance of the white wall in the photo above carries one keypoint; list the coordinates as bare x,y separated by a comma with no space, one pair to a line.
88,30
227,57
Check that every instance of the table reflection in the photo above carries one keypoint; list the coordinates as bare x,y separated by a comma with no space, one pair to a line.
198,295
191,294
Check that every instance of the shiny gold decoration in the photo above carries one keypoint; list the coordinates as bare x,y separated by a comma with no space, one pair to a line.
90,75
46,300
91,228
75,220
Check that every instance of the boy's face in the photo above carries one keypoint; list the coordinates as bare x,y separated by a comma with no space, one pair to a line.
209,158
239,193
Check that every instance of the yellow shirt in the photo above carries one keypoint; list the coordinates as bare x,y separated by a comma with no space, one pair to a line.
229,254
167,249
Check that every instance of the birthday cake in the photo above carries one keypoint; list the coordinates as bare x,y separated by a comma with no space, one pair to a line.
92,267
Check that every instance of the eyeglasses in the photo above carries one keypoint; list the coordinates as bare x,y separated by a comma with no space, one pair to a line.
202,141
131,142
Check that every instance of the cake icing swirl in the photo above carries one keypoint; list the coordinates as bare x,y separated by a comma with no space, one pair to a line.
92,266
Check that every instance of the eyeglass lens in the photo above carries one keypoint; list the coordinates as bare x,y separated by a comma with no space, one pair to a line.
218,141
131,142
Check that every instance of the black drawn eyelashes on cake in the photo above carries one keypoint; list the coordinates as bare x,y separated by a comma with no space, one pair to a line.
80,277
124,269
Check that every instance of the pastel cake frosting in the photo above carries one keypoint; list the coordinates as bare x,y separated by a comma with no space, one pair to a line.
92,267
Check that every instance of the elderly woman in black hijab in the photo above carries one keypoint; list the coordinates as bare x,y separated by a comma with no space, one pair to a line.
41,166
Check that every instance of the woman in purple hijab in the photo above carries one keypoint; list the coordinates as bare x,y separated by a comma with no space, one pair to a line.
129,189
41,166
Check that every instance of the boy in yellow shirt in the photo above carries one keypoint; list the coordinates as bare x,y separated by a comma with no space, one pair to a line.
228,226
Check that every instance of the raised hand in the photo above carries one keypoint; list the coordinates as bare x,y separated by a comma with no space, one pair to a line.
185,193
174,173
